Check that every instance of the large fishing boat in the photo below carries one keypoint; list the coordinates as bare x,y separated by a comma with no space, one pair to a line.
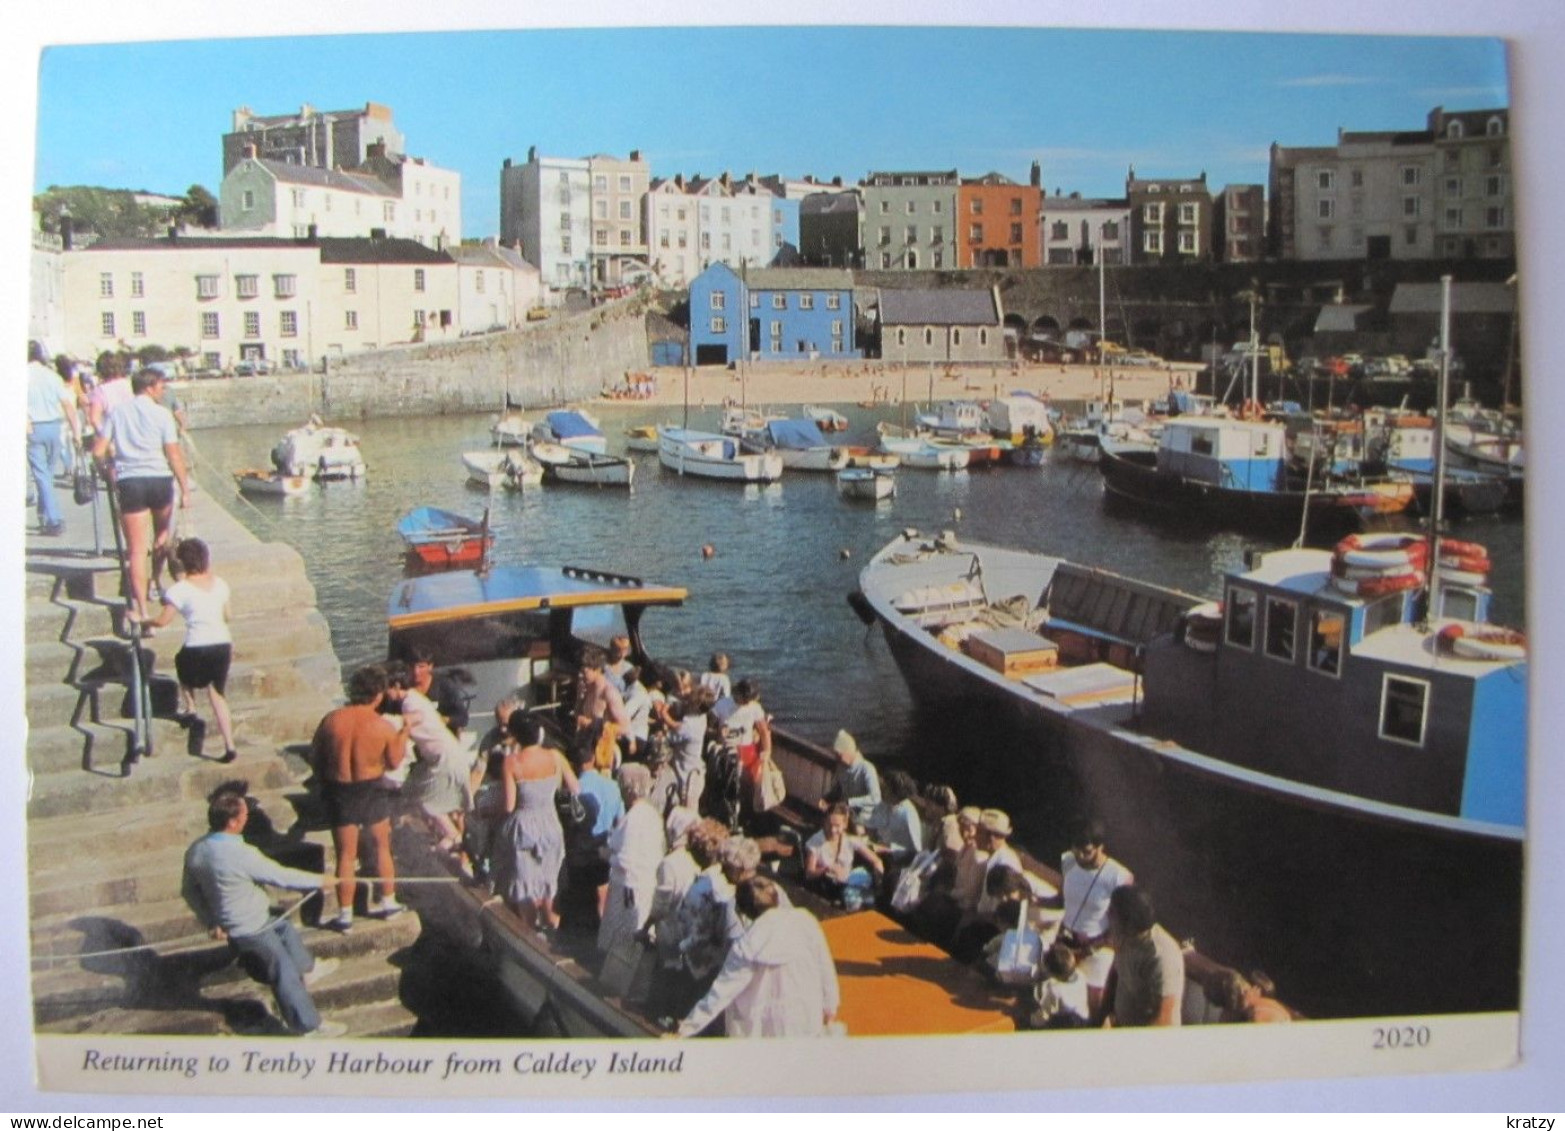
1235,472
1331,757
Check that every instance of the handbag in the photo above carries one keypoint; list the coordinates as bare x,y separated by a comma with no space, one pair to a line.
570,807
771,788
605,753
1021,952
83,485
913,883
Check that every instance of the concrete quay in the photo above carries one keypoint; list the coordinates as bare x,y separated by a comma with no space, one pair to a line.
114,948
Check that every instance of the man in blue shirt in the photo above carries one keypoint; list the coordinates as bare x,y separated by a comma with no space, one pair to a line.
221,885
587,845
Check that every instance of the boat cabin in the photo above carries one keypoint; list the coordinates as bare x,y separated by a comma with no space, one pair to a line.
1244,455
1011,416
1350,692
519,629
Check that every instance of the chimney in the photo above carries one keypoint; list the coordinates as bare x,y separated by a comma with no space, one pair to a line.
837,181
532,154
506,164
1035,178
679,181
635,155
311,233
251,152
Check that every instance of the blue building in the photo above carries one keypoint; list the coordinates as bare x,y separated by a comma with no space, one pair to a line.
773,314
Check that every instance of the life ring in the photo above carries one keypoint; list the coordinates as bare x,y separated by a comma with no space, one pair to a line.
1462,549
1465,562
1250,410
1204,627
1471,579
1383,551
1494,644
1365,573
1395,583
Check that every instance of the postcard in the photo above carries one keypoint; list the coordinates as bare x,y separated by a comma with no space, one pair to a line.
564,563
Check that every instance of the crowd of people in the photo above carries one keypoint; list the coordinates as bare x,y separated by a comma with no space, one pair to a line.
643,819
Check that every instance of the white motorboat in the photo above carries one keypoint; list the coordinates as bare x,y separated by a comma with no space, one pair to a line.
500,469
510,431
866,483
317,450
574,429
570,465
917,451
713,456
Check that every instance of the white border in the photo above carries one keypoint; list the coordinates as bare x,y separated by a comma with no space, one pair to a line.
1534,28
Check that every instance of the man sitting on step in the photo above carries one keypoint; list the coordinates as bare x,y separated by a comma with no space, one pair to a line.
222,882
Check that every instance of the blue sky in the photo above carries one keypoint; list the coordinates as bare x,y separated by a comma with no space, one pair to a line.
836,101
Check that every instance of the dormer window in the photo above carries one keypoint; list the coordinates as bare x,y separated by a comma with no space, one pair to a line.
1453,130
1494,127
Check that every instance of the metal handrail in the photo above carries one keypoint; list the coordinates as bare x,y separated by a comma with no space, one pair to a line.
140,693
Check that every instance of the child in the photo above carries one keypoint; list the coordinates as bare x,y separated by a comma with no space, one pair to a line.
201,598
1062,996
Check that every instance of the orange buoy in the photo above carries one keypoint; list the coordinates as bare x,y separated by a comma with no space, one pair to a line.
708,550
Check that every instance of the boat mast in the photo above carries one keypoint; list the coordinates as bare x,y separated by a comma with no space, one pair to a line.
1442,393
1102,331
1255,355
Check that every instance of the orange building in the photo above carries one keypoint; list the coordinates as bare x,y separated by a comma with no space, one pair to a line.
997,222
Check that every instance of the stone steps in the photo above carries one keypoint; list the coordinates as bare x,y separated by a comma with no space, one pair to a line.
166,776
78,840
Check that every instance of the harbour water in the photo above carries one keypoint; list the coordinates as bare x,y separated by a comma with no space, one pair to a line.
773,593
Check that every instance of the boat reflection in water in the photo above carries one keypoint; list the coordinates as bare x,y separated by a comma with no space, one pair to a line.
1356,772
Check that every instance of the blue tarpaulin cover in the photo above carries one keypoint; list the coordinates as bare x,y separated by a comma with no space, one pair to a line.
796,434
569,425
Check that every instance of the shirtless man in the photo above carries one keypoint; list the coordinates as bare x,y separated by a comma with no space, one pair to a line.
353,749
600,700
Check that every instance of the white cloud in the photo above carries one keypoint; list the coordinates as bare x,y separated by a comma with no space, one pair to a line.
1495,93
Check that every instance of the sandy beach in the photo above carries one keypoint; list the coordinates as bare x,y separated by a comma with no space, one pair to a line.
864,382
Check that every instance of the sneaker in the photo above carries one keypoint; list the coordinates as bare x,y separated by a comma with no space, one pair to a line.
52,529
322,969
387,908
229,756
342,924
327,1031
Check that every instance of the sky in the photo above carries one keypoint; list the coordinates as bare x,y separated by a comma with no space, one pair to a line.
827,101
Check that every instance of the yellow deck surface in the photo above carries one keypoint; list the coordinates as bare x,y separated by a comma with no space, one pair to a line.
892,983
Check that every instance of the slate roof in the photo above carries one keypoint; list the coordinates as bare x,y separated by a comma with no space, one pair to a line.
323,178
1339,318
187,243
1466,298
392,250
799,279
938,308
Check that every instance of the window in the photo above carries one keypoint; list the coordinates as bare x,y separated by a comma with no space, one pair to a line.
775,328
755,301
1404,709
1152,213
288,323
209,324
1109,231
833,302
565,196
1453,130
247,199
1356,178
1328,629
1016,233
247,286
624,210
806,302
1492,186
719,325
283,286
1325,209
297,196
885,259
138,323
1453,186
1494,217
929,336
388,212
206,286
211,360
137,285
1281,625
1153,243
1412,175
600,183
1325,180
912,233
779,301
350,280
1323,238
976,233
478,282
565,245
106,324
1016,206
836,327
1062,257
1059,230
1188,214
418,279
912,260
600,236
885,206
418,319
624,182
1453,217
1494,127
252,324
1187,243
1240,632
600,209
1412,205
719,300
976,206
936,208
937,234
105,285
351,320
885,235
901,337
565,221
983,337
912,207
291,359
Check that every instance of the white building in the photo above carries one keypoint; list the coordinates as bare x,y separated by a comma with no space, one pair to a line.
496,287
403,198
546,207
673,239
1074,229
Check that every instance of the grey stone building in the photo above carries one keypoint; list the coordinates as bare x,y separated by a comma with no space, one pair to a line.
322,139
829,225
941,325
1475,212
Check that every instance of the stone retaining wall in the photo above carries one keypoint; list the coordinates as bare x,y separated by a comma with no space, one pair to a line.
569,357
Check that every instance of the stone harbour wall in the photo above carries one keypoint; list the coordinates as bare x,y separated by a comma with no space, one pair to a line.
569,357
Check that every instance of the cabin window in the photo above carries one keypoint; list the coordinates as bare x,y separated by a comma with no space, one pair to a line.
1241,618
1282,619
1328,630
1201,444
1459,604
1404,709
1386,611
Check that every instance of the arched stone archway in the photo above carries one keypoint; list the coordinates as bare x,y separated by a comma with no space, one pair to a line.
1047,325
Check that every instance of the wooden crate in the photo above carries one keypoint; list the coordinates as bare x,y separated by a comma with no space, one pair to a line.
1013,652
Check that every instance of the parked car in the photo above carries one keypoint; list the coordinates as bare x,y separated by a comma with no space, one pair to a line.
252,367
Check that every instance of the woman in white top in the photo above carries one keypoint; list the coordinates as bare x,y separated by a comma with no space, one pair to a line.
831,854
201,598
636,847
439,781
747,732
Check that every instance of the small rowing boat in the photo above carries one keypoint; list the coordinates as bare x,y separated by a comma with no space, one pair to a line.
438,539
255,481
